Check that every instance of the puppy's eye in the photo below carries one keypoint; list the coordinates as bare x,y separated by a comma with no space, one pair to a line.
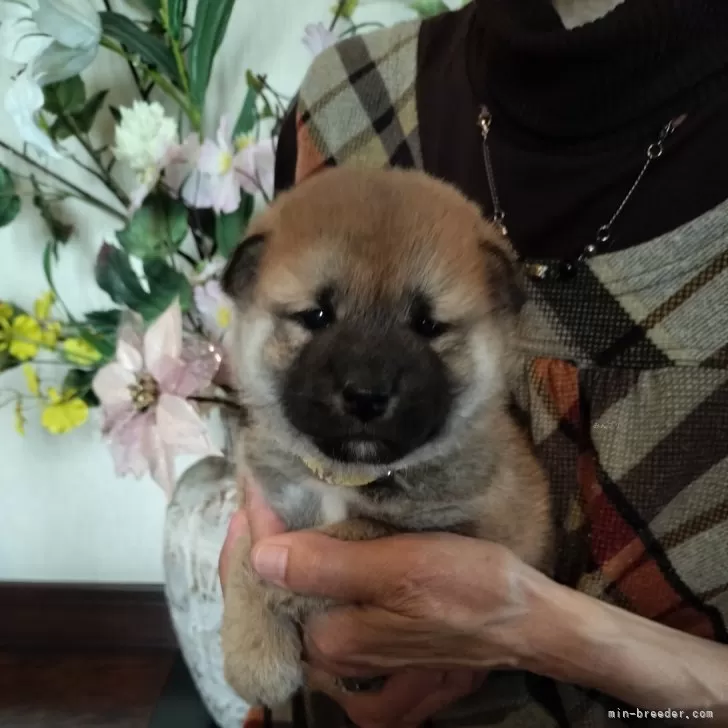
315,319
423,322
428,327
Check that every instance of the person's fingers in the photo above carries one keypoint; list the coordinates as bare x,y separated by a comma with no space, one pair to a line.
264,522
400,696
237,529
311,563
362,640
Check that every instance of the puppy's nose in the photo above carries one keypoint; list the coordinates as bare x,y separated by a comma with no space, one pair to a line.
365,403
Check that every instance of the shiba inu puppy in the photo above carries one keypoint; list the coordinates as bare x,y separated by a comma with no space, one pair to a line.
372,342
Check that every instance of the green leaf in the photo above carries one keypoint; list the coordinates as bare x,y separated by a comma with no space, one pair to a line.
104,321
150,49
345,9
64,97
48,253
101,329
154,7
156,229
115,276
85,118
9,199
165,284
211,21
246,120
115,114
80,381
230,229
428,8
60,231
177,14
254,82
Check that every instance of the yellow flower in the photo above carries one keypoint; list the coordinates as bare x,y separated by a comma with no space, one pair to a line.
63,413
43,305
31,379
79,351
223,316
5,334
24,337
51,332
6,310
19,418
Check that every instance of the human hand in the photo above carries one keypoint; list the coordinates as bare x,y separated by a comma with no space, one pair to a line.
437,601
408,698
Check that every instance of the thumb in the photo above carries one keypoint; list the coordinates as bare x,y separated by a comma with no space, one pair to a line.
311,563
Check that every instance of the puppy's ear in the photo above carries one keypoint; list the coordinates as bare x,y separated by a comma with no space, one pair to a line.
242,268
504,278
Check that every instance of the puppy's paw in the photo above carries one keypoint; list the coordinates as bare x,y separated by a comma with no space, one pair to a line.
297,607
263,660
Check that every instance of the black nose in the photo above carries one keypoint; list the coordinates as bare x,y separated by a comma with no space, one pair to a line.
365,403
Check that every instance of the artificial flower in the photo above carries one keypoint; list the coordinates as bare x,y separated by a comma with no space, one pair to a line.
317,38
214,307
144,397
80,352
64,412
146,139
55,40
51,330
255,165
31,380
19,417
226,165
43,305
23,103
22,338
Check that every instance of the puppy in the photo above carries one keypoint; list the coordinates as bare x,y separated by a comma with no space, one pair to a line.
374,312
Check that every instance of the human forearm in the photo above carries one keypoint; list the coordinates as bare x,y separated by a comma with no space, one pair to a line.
575,638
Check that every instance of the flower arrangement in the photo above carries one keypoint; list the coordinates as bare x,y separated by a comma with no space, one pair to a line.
155,356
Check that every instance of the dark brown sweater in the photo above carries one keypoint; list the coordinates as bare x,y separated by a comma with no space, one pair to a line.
573,114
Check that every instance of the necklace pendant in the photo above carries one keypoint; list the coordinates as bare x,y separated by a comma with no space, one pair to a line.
537,271
556,270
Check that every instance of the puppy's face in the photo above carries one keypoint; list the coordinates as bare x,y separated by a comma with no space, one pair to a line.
373,310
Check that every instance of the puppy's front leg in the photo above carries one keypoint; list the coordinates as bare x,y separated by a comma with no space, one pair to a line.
261,647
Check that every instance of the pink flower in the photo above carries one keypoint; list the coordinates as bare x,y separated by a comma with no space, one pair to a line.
225,166
318,38
144,392
214,307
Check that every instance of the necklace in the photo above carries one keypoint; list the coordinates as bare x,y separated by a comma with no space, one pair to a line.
542,269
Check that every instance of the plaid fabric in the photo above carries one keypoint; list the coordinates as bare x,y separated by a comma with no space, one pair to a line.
625,383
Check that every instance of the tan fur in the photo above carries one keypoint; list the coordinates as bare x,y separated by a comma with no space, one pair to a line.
378,235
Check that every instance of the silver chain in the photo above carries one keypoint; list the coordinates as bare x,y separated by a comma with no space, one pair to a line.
603,238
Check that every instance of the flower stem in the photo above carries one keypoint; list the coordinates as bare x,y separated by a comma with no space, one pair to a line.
188,258
193,114
81,194
144,93
176,50
337,14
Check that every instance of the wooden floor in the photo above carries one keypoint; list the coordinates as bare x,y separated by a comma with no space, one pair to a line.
150,689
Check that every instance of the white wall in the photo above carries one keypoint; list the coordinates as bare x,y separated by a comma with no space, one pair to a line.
64,515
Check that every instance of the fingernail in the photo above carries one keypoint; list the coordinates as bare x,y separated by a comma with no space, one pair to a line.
270,563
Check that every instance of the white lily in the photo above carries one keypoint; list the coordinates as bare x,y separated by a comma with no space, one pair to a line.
23,102
55,40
